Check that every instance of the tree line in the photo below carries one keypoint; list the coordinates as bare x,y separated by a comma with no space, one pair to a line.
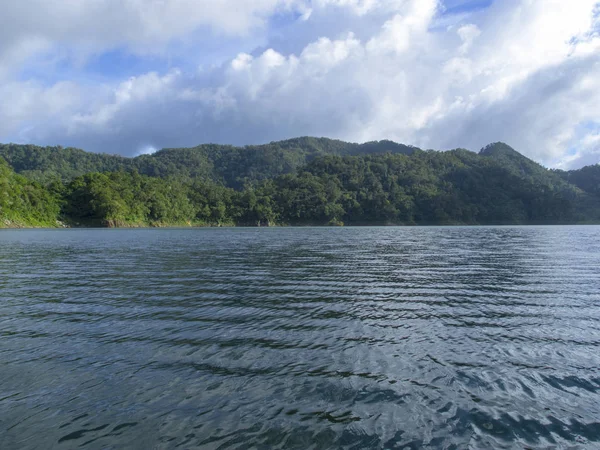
334,186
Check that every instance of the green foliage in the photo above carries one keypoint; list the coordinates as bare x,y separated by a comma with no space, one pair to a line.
304,181
587,208
426,188
587,178
127,199
25,203
231,166
47,163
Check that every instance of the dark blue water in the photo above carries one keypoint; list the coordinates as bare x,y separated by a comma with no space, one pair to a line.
300,338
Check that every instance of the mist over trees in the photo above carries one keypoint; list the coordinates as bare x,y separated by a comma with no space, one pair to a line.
303,181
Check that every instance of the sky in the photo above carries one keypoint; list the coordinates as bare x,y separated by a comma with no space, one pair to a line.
134,76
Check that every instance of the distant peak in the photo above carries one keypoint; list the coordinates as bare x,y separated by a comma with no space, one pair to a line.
496,148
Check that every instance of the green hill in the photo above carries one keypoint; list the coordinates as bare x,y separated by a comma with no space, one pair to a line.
303,181
586,178
521,166
24,202
228,165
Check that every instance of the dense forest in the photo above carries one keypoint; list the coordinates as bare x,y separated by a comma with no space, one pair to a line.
304,181
224,164
24,202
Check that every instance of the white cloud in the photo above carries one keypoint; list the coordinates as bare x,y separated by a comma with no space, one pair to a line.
324,54
24,104
30,27
146,150
468,33
588,153
522,71
363,7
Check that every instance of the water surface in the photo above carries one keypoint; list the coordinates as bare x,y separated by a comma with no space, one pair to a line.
300,338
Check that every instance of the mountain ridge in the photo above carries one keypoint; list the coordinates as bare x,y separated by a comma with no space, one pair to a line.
216,161
299,181
221,163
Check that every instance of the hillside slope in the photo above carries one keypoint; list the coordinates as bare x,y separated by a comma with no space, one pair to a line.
231,166
25,203
304,181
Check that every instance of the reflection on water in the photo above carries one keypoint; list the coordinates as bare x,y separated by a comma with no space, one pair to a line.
300,338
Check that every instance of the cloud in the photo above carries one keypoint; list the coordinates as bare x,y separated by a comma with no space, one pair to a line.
29,28
468,33
522,71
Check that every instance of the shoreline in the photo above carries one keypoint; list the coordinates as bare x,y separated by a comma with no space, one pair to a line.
374,225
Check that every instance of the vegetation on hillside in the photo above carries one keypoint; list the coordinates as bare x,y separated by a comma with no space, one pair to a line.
24,202
231,166
305,181
586,178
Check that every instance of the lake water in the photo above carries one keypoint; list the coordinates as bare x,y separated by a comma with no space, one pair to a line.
482,337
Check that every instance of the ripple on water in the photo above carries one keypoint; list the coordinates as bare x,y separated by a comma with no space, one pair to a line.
300,338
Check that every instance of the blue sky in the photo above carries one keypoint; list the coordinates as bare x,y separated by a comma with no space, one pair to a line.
151,74
465,6
202,48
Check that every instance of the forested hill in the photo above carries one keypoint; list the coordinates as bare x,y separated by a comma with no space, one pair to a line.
587,178
303,181
231,166
24,202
